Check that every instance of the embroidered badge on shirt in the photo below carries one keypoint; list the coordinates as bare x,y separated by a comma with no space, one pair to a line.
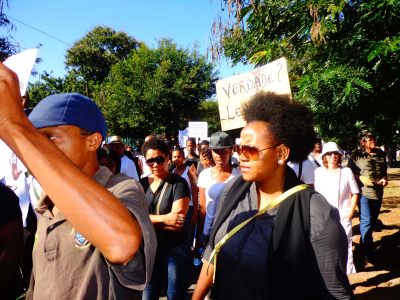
80,240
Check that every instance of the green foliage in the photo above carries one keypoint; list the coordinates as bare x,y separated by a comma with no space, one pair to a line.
155,90
341,85
208,110
7,47
91,58
48,85
343,58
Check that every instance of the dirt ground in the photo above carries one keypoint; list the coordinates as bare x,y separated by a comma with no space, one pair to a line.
381,280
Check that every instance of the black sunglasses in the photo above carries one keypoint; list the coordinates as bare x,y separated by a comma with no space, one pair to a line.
331,153
159,160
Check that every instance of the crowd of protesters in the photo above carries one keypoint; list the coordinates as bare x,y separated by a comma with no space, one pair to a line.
98,220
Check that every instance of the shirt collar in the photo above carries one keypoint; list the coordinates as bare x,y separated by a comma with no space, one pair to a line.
45,204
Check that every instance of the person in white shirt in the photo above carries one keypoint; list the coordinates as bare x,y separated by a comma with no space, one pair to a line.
339,187
304,171
15,175
212,181
127,165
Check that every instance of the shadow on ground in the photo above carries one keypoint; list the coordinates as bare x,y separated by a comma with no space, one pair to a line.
380,279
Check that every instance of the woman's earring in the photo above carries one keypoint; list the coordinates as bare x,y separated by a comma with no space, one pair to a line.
280,162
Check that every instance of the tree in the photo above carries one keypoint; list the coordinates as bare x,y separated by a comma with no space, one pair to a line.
343,57
90,59
7,48
155,90
48,85
208,112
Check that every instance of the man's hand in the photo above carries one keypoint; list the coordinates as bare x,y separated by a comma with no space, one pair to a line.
10,98
193,176
383,182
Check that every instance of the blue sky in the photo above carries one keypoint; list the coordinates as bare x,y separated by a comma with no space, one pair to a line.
187,22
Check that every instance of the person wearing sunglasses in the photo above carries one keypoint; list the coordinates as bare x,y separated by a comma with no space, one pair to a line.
339,187
212,181
369,165
274,237
168,197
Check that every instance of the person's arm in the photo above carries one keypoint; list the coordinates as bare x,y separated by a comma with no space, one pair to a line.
204,282
355,192
175,219
329,243
193,176
353,204
317,179
90,208
383,181
202,210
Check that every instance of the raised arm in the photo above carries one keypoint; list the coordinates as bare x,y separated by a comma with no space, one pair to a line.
329,243
89,207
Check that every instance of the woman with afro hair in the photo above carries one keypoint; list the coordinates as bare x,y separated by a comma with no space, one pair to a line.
274,237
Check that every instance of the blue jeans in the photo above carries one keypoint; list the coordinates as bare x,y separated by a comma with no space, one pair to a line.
369,212
171,266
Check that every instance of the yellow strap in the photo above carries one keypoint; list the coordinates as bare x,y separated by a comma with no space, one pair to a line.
231,233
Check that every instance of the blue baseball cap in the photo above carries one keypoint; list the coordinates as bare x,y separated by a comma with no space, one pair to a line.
69,109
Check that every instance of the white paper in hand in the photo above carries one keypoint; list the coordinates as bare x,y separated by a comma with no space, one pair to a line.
22,64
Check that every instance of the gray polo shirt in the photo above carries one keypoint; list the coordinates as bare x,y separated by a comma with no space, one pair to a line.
67,266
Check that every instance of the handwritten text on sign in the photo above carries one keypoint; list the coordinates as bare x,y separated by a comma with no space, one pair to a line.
233,91
198,129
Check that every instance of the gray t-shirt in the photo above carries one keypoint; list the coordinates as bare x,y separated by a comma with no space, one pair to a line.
67,266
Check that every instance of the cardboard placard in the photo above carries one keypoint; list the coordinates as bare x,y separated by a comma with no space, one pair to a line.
233,91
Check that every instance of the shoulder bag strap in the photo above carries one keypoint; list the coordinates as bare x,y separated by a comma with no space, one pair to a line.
316,162
231,233
161,195
300,170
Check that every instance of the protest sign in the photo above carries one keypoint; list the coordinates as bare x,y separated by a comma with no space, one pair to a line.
22,64
182,137
233,91
198,130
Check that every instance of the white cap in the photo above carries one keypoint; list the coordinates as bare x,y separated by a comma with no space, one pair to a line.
330,147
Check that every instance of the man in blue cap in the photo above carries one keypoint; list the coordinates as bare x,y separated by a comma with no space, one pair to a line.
94,238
